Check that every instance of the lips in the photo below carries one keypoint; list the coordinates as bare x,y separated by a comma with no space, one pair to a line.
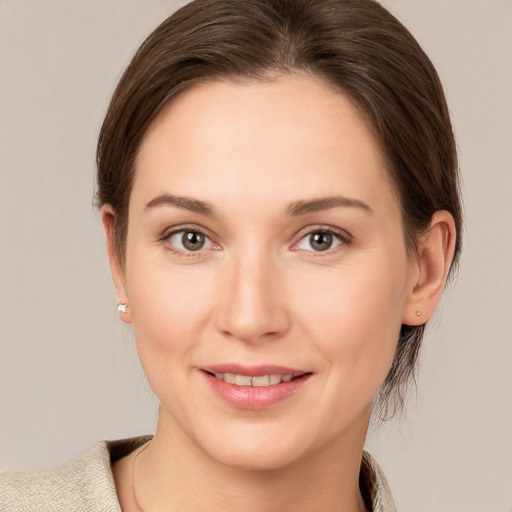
254,380
254,388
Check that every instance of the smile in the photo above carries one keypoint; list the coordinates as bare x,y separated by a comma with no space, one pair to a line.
256,381
254,388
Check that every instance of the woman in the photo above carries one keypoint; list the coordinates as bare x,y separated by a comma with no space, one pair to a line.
278,186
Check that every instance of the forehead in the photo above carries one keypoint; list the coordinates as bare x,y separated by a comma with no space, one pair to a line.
295,132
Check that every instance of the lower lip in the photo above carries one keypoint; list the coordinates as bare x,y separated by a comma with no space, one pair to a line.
253,397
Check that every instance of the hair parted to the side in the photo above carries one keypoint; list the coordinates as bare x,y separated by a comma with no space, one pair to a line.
354,45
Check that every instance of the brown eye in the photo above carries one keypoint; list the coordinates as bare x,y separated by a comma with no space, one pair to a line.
319,241
189,241
192,241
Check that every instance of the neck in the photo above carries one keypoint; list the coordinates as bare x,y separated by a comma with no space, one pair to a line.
174,474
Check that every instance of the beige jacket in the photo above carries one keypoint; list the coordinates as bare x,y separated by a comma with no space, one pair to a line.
87,485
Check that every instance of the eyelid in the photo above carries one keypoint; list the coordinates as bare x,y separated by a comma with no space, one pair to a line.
345,238
169,232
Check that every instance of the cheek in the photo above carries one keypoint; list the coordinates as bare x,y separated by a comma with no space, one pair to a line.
170,306
354,315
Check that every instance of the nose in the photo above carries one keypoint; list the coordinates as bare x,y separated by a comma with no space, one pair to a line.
252,305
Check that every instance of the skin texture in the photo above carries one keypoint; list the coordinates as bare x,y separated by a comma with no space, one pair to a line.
258,293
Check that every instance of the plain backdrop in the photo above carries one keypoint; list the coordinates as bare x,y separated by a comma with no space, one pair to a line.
69,374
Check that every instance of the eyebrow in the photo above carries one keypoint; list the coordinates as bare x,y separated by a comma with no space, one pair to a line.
186,203
295,209
325,203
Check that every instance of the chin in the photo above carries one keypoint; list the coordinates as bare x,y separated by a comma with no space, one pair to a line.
266,447
263,447
247,458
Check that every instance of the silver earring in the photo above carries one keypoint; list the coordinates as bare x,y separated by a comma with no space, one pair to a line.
122,308
418,313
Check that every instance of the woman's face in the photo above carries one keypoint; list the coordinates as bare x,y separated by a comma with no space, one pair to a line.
264,241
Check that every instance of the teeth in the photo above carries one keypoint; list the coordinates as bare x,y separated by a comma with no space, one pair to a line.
229,378
275,379
260,381
243,380
264,380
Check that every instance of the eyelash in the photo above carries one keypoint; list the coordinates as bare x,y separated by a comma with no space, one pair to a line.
344,239
187,229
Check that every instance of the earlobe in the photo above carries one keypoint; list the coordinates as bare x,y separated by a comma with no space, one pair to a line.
116,267
435,254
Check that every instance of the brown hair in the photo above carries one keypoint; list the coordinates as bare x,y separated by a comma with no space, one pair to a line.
356,46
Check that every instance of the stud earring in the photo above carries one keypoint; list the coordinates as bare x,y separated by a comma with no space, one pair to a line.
122,308
418,313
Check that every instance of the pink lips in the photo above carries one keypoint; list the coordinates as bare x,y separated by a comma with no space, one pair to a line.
252,397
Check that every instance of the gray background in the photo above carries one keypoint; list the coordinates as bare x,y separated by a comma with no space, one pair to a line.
69,374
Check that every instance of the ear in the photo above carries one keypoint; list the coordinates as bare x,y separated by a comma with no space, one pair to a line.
435,254
116,266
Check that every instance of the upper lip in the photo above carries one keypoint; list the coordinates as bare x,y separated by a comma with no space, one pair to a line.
253,371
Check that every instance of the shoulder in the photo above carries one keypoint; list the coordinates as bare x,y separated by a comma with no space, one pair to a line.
374,485
82,485
85,485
